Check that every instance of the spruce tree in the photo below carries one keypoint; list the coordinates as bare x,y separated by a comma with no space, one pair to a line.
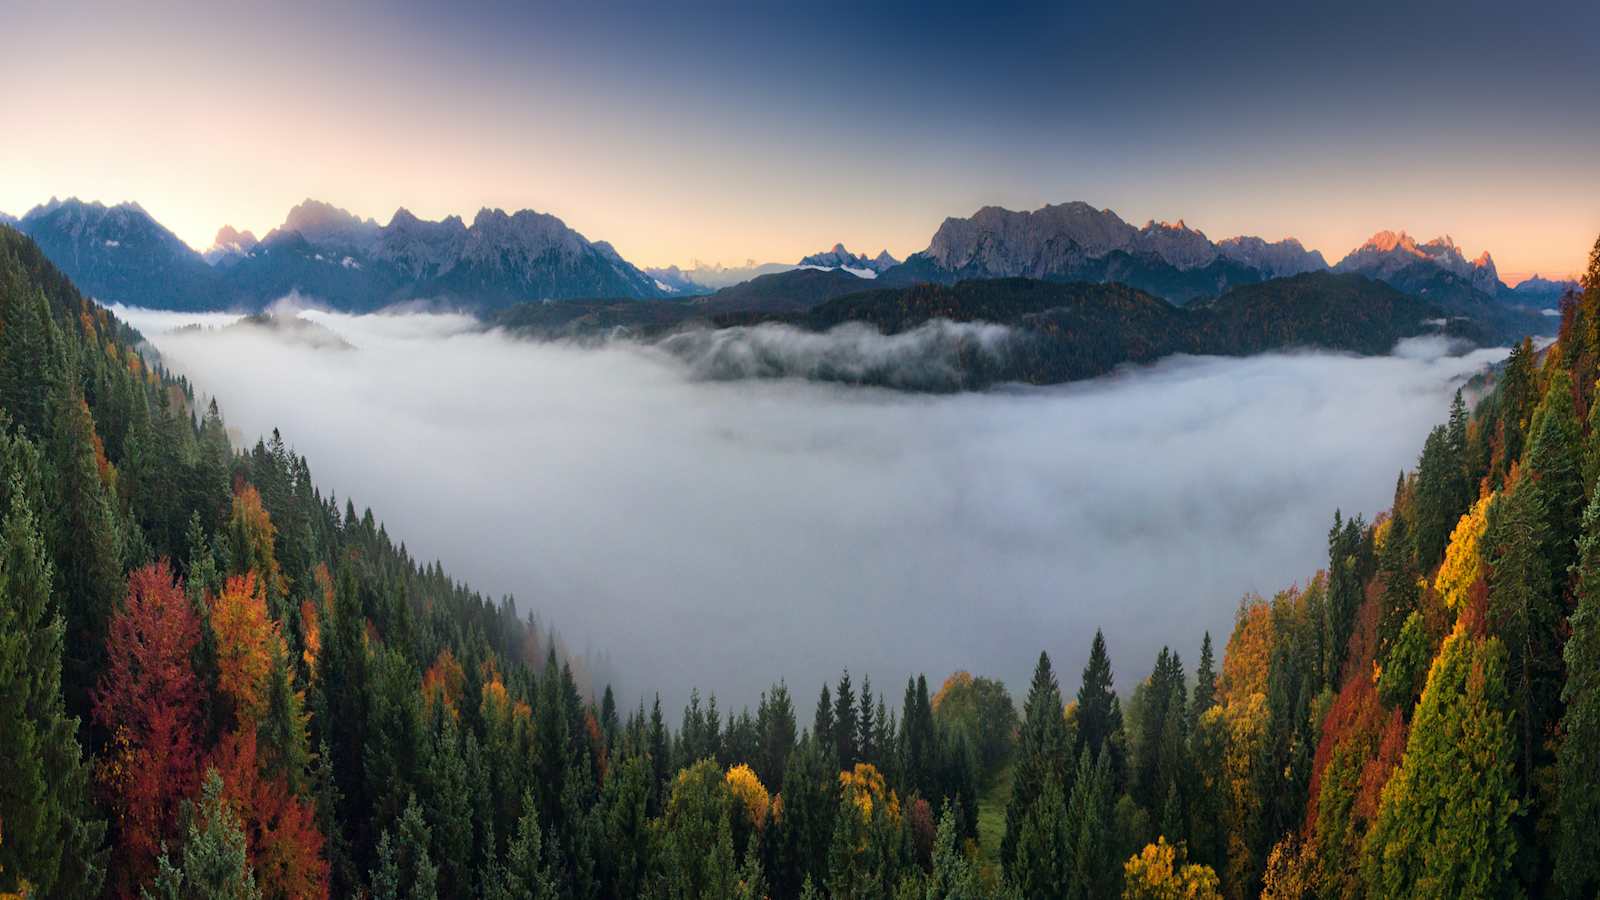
1099,710
1205,683
1577,853
49,838
844,723
1525,613
1041,755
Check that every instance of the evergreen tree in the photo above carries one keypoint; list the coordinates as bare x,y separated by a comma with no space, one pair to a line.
822,723
1099,710
1445,825
1205,683
86,543
1526,615
215,865
1555,477
844,723
405,867
776,730
1040,756
805,830
525,874
1577,856
1042,863
50,840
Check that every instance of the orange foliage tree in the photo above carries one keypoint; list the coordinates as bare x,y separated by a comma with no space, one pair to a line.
251,535
246,641
444,682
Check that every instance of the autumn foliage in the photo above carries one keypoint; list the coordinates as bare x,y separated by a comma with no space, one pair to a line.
246,640
148,700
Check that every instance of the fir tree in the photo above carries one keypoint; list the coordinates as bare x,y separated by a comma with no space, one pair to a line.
1040,755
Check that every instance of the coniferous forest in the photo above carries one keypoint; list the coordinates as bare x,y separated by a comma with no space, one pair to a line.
218,681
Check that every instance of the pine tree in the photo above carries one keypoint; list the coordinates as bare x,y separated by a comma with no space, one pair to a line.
1445,826
86,543
822,723
1205,683
1042,863
1577,856
1041,755
844,723
1099,710
49,838
1525,614
215,865
525,874
776,730
1554,469
866,725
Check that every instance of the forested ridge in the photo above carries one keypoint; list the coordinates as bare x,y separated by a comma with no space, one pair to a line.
1056,331
219,683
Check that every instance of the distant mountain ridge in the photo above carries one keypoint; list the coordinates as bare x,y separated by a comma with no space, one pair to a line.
1396,257
856,263
1076,242
1543,292
121,254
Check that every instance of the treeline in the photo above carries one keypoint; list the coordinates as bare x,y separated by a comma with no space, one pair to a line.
218,683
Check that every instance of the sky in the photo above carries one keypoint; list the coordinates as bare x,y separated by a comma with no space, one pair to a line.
729,132
687,532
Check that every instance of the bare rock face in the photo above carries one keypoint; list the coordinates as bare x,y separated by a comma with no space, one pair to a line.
999,243
1397,258
1278,259
229,246
1180,245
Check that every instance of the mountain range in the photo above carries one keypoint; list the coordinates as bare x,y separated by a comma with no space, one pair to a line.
121,254
855,263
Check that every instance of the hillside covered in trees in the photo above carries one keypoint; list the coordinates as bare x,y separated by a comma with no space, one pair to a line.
218,682
1056,331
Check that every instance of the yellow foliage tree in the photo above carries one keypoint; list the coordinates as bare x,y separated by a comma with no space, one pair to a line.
1244,664
749,793
864,786
1161,872
1463,560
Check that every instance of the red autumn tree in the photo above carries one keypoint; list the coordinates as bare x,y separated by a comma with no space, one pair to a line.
281,835
149,701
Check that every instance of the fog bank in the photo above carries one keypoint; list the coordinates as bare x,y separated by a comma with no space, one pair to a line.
729,533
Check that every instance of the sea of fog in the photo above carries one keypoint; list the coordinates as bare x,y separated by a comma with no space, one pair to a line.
726,534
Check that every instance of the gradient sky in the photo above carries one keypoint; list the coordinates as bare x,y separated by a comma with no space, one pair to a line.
757,131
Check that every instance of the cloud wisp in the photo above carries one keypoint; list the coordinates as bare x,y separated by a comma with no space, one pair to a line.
728,533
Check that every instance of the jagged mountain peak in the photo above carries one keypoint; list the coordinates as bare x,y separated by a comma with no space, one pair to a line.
857,263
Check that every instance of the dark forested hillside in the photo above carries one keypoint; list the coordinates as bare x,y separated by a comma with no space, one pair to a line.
219,683
1060,331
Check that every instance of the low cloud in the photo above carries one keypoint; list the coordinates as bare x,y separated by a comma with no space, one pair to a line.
926,357
728,533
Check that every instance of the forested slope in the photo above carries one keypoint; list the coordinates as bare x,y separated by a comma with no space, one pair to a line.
217,682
